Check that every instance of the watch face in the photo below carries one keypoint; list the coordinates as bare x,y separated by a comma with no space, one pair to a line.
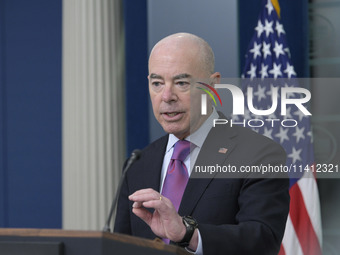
191,221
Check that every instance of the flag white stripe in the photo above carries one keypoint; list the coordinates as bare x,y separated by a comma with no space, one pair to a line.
290,240
310,194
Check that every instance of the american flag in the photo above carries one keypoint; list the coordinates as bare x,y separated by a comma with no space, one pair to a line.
268,66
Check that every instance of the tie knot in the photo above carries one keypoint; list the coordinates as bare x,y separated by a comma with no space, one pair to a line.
181,150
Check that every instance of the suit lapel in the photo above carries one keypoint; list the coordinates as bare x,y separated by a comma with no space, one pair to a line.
215,150
152,166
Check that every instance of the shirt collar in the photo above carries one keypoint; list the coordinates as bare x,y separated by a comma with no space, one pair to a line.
198,137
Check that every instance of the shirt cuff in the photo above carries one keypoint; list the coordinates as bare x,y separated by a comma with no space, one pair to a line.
199,250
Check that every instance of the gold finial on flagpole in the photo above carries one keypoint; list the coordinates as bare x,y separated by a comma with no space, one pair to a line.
276,5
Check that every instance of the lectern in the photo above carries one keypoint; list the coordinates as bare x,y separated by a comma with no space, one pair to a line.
64,242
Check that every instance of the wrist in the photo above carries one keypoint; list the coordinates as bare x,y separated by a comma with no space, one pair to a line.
190,237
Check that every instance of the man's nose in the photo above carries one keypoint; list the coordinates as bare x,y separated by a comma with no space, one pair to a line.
169,94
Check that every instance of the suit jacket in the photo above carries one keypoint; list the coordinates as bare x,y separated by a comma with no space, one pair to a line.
235,215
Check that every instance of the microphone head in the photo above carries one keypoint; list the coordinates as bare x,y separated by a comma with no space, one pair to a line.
136,153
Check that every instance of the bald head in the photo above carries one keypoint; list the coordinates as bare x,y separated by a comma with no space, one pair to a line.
198,48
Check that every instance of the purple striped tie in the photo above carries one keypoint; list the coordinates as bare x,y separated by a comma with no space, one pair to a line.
177,174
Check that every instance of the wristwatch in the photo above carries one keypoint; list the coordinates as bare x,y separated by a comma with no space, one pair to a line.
191,224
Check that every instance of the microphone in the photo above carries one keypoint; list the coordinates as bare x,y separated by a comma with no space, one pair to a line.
134,156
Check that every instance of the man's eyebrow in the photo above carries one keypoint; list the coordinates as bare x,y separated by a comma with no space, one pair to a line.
155,76
176,77
182,76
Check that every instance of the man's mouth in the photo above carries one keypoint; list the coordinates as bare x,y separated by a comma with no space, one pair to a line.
172,116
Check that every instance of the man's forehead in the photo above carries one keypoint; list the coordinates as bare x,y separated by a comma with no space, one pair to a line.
175,52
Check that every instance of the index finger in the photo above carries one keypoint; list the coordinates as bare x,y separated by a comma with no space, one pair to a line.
145,195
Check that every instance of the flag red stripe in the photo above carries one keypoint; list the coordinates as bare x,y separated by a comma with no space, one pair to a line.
302,223
282,250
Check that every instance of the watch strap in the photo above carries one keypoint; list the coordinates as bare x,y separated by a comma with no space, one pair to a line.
191,224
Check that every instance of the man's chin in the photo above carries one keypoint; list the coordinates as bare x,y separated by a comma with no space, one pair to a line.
179,133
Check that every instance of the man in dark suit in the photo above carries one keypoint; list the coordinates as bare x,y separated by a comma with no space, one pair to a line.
217,214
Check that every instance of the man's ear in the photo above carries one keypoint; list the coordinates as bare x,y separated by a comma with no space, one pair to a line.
215,78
